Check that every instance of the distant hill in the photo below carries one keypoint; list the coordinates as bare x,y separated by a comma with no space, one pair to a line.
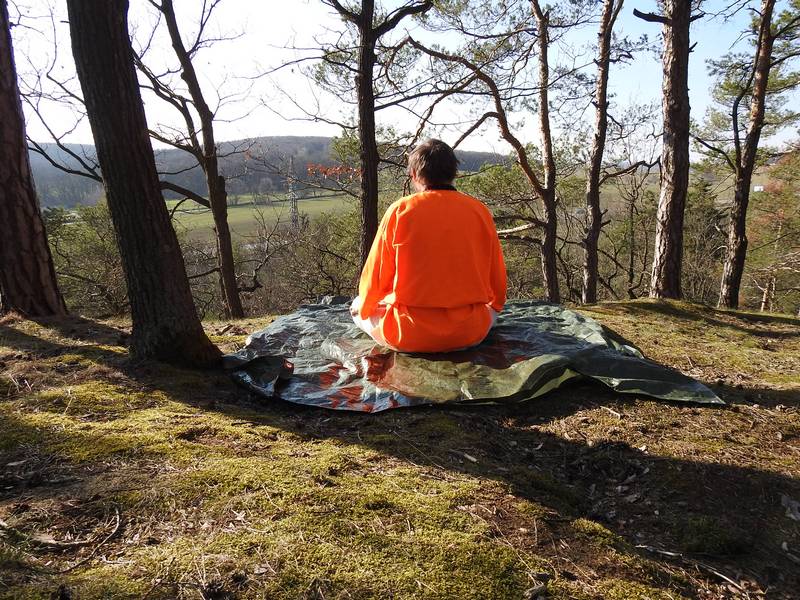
57,188
252,166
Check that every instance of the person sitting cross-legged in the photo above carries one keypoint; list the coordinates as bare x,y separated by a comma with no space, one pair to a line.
435,278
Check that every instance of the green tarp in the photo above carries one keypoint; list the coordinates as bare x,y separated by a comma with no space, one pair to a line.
317,356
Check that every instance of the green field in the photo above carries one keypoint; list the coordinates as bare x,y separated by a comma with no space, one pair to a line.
244,218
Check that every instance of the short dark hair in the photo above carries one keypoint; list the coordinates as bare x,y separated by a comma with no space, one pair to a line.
434,162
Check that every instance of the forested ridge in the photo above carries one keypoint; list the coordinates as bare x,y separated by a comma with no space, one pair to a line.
254,166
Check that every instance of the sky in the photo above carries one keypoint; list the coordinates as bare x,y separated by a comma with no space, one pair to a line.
264,33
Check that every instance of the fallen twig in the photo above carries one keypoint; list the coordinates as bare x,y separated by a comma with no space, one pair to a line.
39,539
415,447
612,411
86,559
469,457
695,563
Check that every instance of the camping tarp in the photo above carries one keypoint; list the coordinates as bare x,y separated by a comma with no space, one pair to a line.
317,356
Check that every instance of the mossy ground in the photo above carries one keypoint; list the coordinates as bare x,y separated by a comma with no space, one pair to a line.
177,484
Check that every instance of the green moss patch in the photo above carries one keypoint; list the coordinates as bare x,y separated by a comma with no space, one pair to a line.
223,497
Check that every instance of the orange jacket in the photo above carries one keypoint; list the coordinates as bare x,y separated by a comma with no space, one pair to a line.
437,265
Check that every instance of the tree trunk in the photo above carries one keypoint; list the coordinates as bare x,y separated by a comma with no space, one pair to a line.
165,323
768,296
594,216
764,298
369,33
631,249
218,199
217,195
736,250
549,240
668,255
549,247
590,245
27,277
366,129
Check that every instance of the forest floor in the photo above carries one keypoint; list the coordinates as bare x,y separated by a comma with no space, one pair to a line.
122,479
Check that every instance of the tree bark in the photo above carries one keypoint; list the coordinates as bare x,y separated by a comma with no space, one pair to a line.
27,277
631,249
366,129
217,194
549,259
768,296
549,246
369,34
736,249
218,198
165,323
594,215
666,275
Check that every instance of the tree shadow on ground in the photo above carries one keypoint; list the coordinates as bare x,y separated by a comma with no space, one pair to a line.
90,334
79,328
723,515
712,316
755,396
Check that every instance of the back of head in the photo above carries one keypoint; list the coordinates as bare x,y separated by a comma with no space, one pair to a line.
434,163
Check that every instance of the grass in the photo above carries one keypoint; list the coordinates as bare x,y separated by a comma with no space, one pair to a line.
177,484
244,218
